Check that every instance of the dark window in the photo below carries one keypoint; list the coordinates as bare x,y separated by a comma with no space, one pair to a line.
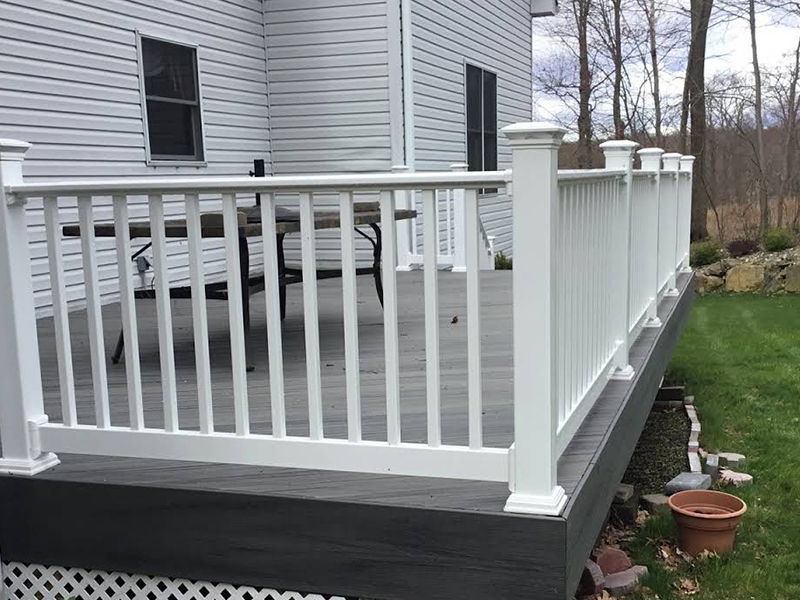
172,101
481,120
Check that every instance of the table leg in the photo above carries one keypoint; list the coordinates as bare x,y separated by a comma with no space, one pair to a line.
377,249
244,274
282,274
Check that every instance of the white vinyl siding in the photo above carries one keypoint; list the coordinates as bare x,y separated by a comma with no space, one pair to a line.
447,34
69,84
328,64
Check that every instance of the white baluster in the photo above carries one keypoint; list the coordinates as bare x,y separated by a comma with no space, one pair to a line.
60,312
94,313
128,312
405,228
432,368
534,459
199,313
390,316
474,241
350,309
273,301
166,348
311,315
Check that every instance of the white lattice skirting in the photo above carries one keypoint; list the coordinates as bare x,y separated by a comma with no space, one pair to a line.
37,582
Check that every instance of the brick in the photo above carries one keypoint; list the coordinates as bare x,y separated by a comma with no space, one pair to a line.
592,580
731,460
735,478
689,400
613,560
694,462
624,493
688,481
656,504
625,582
711,466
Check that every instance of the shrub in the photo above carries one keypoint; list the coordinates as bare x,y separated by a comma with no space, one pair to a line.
704,253
738,248
776,240
503,262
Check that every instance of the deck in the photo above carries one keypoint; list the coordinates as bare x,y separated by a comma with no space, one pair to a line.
377,536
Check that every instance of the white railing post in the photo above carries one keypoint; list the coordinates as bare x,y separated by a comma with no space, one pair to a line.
534,457
21,402
687,166
651,163
672,164
405,230
459,225
619,156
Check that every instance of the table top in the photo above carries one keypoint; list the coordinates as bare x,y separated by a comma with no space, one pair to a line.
286,221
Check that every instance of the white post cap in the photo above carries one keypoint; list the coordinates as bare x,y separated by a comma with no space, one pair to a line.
672,161
535,135
13,149
618,153
626,146
651,158
687,162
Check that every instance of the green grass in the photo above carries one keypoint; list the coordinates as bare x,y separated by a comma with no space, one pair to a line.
740,357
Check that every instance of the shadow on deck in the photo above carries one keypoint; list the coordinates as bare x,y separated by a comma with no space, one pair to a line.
379,536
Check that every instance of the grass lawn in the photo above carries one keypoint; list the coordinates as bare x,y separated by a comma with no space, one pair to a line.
740,357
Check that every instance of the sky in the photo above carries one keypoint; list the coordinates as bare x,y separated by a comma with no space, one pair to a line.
728,49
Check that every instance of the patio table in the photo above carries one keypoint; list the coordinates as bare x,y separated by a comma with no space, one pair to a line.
286,221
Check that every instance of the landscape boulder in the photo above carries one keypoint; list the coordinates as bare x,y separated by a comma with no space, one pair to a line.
792,279
613,560
625,582
745,278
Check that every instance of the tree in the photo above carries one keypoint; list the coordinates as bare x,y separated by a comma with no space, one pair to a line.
763,195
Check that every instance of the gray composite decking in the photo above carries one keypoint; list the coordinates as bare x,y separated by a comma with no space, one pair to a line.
380,536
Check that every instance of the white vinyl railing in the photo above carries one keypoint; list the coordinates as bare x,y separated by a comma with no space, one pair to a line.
593,251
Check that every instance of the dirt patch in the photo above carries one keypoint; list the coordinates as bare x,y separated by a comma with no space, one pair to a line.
660,453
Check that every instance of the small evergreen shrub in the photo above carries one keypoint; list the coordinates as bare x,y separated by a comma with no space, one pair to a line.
704,253
776,240
738,248
503,262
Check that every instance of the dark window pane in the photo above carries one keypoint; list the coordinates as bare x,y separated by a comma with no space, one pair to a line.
172,129
489,102
169,70
490,151
475,151
474,119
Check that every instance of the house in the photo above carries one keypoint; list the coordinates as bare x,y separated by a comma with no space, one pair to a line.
463,441
307,87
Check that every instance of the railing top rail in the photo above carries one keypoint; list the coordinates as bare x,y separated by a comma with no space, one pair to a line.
567,175
644,174
298,183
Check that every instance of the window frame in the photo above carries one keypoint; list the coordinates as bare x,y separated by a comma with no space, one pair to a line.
150,160
484,69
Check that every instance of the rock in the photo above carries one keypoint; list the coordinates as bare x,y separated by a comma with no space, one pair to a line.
711,466
625,582
726,476
592,580
732,460
624,493
613,560
689,401
745,278
773,280
662,405
656,504
688,481
624,513
705,284
694,462
792,279
717,269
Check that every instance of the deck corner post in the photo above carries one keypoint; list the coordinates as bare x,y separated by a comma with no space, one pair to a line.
21,401
403,200
533,457
651,163
619,157
672,166
459,223
684,244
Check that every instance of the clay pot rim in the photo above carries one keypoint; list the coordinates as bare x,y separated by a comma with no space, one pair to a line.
712,517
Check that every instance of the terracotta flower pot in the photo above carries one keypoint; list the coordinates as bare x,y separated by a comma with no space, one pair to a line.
707,520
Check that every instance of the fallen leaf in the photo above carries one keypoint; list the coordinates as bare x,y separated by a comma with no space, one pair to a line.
641,517
687,587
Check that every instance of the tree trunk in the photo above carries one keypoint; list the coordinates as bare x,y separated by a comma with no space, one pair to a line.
791,135
651,21
701,16
619,124
584,85
763,196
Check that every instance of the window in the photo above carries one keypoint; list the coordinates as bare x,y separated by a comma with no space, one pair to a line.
481,119
172,101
